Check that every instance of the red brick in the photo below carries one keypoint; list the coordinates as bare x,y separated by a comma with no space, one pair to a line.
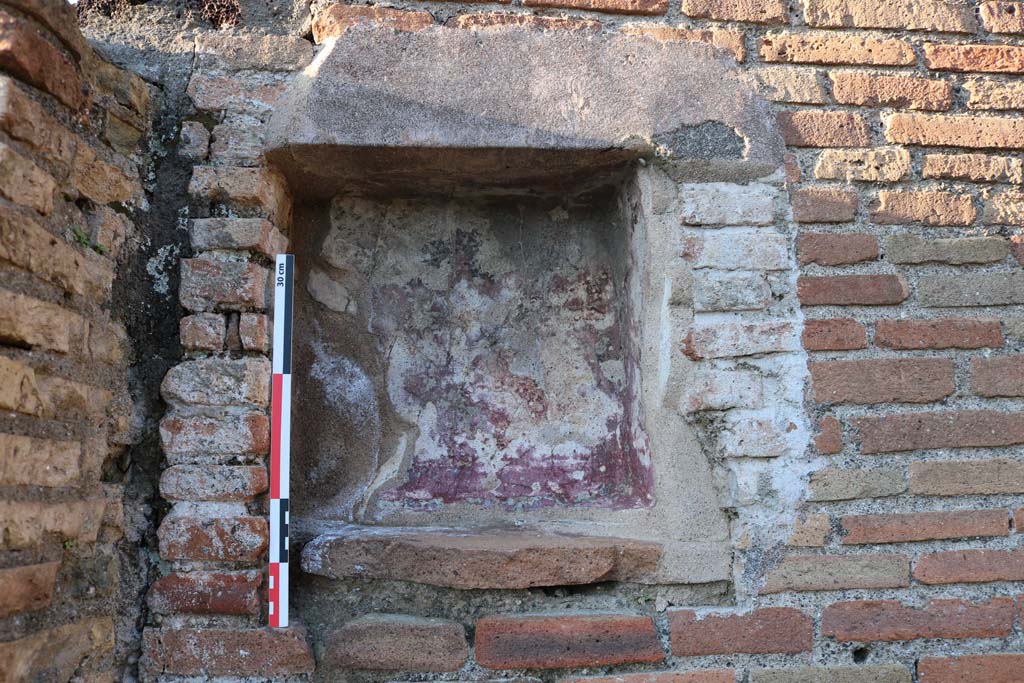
27,55
882,380
213,483
955,130
227,539
649,7
761,631
835,48
699,676
836,334
923,526
1003,668
887,620
395,642
335,19
202,332
208,284
897,207
970,566
829,439
262,652
814,205
939,333
201,592
907,92
27,589
836,249
753,11
1000,16
852,290
566,640
952,429
998,376
813,128
983,58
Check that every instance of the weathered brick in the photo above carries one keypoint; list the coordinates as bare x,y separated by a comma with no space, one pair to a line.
984,58
955,130
815,205
25,321
952,429
982,168
693,676
717,389
68,400
98,180
206,592
205,651
970,566
888,620
57,654
25,120
257,52
219,382
896,207
1004,208
835,48
730,291
728,204
27,589
914,15
754,11
758,434
837,483
939,333
253,93
838,334
724,39
24,183
883,164
202,332
395,642
998,376
253,234
207,283
830,249
27,524
647,7
904,92
882,380
852,290
1000,16
815,128
337,18
886,673
224,539
811,532
761,631
990,94
724,340
487,20
982,289
109,230
19,390
829,439
28,461
231,434
28,56
254,332
838,572
565,640
213,483
257,191
906,248
1001,668
966,478
738,250
794,85
923,526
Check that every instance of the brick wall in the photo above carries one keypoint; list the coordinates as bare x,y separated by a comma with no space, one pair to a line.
898,558
70,128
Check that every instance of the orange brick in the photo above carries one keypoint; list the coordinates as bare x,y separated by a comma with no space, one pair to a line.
981,668
979,168
947,130
913,15
827,249
998,16
811,128
852,290
761,631
833,48
983,58
970,566
923,526
928,207
939,333
815,205
882,380
650,7
986,93
754,11
906,92
838,334
888,620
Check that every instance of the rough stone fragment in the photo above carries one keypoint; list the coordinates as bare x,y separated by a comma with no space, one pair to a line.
983,58
738,250
852,290
728,204
761,434
966,477
754,11
835,483
955,130
24,183
833,48
904,92
810,128
565,640
951,16
219,382
256,52
906,248
979,168
730,291
952,429
982,289
25,54
395,642
263,652
897,207
506,560
193,141
206,592
230,434
722,389
253,234
938,333
888,673
828,249
923,526
885,164
28,461
838,572
728,339
761,631
214,483
27,589
814,205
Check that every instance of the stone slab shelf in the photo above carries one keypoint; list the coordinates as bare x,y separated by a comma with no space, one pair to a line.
478,559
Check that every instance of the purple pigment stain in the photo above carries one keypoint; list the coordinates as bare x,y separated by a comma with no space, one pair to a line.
508,358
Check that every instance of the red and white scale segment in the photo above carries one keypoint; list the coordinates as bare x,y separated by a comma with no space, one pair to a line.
280,438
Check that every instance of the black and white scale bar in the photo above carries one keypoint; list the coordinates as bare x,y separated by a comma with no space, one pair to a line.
280,438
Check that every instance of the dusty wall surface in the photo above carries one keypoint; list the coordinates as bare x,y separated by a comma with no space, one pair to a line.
846,341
